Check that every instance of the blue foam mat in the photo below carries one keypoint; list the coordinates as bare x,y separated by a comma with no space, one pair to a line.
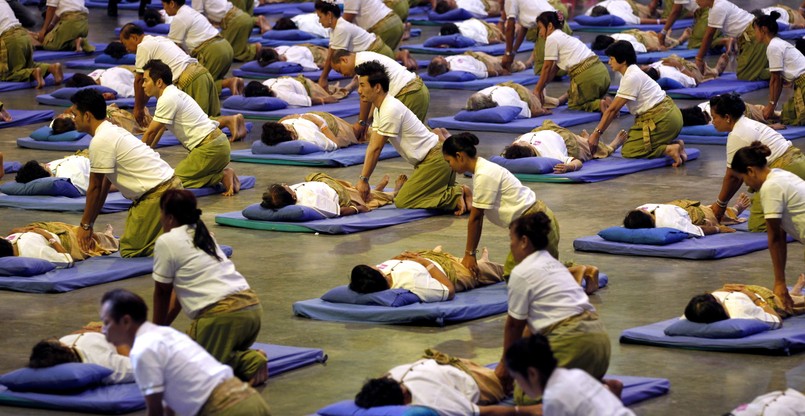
787,340
561,116
347,107
11,167
282,359
325,42
792,34
715,137
496,49
49,99
314,75
348,156
168,139
424,20
87,64
651,57
728,82
6,86
43,55
525,77
115,202
123,5
283,8
26,117
679,24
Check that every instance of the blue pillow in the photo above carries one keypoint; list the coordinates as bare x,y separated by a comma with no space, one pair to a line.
293,147
291,213
705,130
391,298
127,59
531,165
292,34
51,186
500,115
161,28
606,20
67,92
729,328
652,236
452,41
239,102
68,377
45,134
279,67
669,84
24,266
452,76
455,15
348,407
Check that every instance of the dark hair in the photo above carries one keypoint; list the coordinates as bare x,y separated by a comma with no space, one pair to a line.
637,218
50,352
115,50
338,54
79,80
516,151
532,352
62,125
284,23
729,104
383,391
30,171
365,279
602,42
130,29
693,116
152,17
462,142
753,155
275,133
327,7
6,248
801,45
277,197
257,89
652,73
438,67
535,227
180,3
90,100
123,302
181,205
159,70
267,56
769,21
623,52
375,72
599,11
442,7
705,309
551,17
449,29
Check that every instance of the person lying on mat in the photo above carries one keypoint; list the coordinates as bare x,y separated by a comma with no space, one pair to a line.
478,8
480,64
628,11
779,402
569,392
329,196
73,167
118,78
298,91
699,115
658,120
310,56
544,298
683,71
236,26
552,141
481,32
794,19
173,372
728,112
57,243
786,63
65,28
322,129
450,386
85,347
153,17
510,93
17,64
685,215
642,41
305,22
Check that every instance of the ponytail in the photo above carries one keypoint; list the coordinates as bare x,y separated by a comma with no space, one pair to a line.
181,205
768,21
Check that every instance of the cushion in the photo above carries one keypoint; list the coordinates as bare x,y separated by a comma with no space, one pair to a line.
127,59
452,41
282,67
67,92
455,15
239,102
24,267
51,186
348,407
703,130
60,378
452,76
607,20
669,84
728,328
293,147
292,34
291,213
45,134
651,236
531,165
500,115
392,297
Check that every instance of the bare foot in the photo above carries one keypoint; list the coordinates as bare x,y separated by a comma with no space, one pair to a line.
484,254
615,386
437,249
261,376
605,103
442,132
675,151
797,289
407,60
109,230
237,86
263,24
398,184
78,42
619,139
231,182
742,203
5,116
518,66
58,74
721,65
465,202
37,75
407,32
591,277
240,127
382,184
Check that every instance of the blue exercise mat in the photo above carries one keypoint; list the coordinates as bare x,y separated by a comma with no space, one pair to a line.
11,167
123,5
347,107
128,102
43,55
348,156
314,75
168,139
598,170
496,49
87,64
651,57
6,86
26,117
787,340
283,8
561,116
379,218
282,359
115,202
424,20
792,34
526,77
160,29
325,42
709,135
728,82
679,24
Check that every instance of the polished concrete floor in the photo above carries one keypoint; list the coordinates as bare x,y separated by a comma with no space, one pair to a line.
285,268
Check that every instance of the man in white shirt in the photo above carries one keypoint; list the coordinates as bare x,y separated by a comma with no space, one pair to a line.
17,64
477,63
173,372
73,167
70,28
684,72
525,13
375,17
512,94
84,347
298,91
236,26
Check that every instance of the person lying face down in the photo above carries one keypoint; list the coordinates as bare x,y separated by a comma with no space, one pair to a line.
481,32
311,57
153,17
685,215
306,22
298,91
683,71
699,115
477,63
86,347
322,129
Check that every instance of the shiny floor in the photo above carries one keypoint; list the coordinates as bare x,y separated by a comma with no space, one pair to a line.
285,267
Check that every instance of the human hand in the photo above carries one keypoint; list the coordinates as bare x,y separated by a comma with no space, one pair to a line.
85,239
593,141
718,211
734,287
560,168
363,189
768,112
725,229
507,61
139,115
504,377
323,82
358,130
700,64
781,291
471,264
661,38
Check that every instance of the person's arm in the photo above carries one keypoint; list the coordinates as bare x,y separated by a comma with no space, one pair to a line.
96,195
322,125
498,410
475,226
508,56
376,143
166,305
646,21
352,209
438,275
762,304
349,17
50,14
612,112
778,249
676,10
572,166
153,133
519,41
512,332
729,186
707,39
325,70
139,100
153,403
546,75
775,89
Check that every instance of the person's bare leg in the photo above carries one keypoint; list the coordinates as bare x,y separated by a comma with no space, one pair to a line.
231,182
78,42
398,184
404,56
797,289
382,184
619,139
615,386
57,72
4,116
263,24
676,151
235,84
407,31
605,103
37,76
465,202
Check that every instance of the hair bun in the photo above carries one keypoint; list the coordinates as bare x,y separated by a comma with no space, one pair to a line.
775,14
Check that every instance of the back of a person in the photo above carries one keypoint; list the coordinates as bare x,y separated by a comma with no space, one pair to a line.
745,131
399,76
162,48
415,138
369,12
351,37
513,198
644,92
308,131
444,388
777,403
670,72
191,28
527,11
739,305
783,189
319,196
95,349
188,121
785,57
731,19
549,144
573,392
412,276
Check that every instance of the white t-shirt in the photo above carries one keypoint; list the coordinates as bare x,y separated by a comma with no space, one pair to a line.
130,164
169,362
467,63
642,92
496,191
190,28
527,11
412,276
675,74
289,90
672,216
507,96
95,349
543,292
319,196
162,48
399,76
116,78
475,30
638,47
783,19
309,22
298,55
573,392
189,123
308,131
349,36
566,50
7,18
620,8
747,131
444,388
784,57
788,403
73,167
689,5
475,7
67,6
783,196
548,144
367,12
215,10
402,128
731,19
30,244
705,106
740,306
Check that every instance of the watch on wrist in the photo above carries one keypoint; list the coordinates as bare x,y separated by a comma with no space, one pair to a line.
363,123
87,226
363,178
